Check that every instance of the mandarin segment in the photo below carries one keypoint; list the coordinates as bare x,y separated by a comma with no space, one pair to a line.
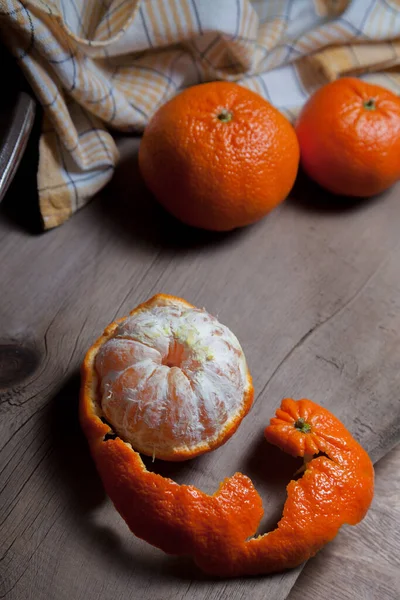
118,354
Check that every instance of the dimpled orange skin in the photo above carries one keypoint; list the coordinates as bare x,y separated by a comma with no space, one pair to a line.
349,135
216,174
215,530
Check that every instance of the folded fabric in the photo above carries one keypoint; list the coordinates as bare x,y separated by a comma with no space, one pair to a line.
103,65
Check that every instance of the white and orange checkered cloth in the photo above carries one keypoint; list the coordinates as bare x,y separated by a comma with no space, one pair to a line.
103,65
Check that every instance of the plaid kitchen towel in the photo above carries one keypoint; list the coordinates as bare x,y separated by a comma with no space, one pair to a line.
103,65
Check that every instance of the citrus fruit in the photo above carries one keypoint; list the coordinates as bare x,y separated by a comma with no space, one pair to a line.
349,135
336,487
170,379
218,156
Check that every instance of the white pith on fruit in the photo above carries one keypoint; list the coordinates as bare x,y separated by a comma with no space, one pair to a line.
171,379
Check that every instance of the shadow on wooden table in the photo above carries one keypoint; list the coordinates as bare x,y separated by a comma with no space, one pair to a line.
308,195
127,207
270,470
75,465
82,493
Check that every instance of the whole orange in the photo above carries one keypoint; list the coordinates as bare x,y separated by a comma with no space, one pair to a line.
218,156
349,134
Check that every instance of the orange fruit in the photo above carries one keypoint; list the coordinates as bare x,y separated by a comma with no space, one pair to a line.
170,379
218,156
336,487
349,134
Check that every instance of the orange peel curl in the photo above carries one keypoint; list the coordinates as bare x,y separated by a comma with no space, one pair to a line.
335,488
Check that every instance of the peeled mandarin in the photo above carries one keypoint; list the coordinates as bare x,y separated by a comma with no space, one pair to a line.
172,380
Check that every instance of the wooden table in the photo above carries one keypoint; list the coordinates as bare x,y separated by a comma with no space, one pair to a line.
312,292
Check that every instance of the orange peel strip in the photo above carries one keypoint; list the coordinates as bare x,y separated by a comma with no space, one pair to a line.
336,488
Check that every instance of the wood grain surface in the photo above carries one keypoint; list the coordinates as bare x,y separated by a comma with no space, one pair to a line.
313,294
